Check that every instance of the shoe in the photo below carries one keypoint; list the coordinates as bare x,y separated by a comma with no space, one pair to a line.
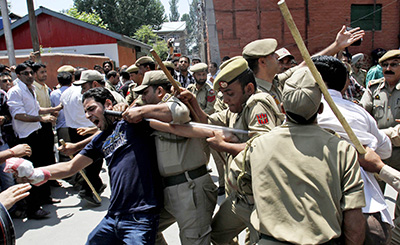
90,199
221,190
55,183
51,200
101,189
39,214
18,214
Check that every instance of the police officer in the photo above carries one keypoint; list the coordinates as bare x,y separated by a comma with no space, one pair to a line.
382,100
294,203
247,110
190,195
204,93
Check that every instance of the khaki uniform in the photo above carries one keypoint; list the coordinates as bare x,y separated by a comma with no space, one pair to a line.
205,97
110,87
294,202
275,88
191,203
261,114
384,106
131,96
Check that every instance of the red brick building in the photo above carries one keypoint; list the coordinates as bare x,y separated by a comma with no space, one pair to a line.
239,22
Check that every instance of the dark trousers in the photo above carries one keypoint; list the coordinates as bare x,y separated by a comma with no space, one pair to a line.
42,144
93,170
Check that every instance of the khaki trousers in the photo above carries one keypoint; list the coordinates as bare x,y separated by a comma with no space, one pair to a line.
232,217
192,205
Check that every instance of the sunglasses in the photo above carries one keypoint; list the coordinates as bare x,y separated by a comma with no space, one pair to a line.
26,73
6,81
394,65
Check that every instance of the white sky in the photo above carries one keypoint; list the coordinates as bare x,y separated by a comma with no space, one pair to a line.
19,6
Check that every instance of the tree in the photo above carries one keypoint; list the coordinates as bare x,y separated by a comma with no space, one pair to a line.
91,18
192,25
125,16
173,6
145,34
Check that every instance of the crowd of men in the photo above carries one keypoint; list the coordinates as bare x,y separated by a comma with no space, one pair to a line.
286,166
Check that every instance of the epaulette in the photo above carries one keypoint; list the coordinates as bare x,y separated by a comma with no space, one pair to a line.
376,82
263,97
133,85
332,132
165,98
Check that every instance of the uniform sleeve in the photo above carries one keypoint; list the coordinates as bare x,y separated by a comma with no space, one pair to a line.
366,100
390,176
180,112
219,118
15,103
352,183
210,102
261,118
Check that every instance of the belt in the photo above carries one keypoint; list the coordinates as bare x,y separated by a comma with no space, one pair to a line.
335,241
181,178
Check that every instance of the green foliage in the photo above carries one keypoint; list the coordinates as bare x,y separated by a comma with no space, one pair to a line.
145,34
161,48
91,18
173,6
125,16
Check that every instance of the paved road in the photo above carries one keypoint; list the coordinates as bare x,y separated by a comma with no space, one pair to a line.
72,220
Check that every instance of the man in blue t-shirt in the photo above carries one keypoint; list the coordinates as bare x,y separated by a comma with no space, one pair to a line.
129,151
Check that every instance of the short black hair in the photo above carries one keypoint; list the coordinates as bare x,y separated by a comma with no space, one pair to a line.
187,58
299,119
214,64
225,58
247,77
21,67
124,74
111,73
333,71
108,62
78,72
3,67
37,66
166,86
64,78
4,74
99,95
253,64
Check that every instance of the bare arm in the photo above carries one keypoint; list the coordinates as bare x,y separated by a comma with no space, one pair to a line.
353,226
72,148
17,151
29,118
221,143
188,98
49,110
65,169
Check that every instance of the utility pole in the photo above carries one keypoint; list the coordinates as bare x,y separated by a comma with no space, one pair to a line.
33,29
8,33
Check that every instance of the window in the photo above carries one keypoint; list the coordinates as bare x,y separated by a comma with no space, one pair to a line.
363,15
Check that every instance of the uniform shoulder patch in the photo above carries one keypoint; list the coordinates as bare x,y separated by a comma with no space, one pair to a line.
262,118
376,82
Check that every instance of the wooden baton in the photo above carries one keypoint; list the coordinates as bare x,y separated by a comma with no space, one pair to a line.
172,81
317,76
62,142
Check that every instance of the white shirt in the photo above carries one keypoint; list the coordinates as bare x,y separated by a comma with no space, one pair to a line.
74,113
22,101
55,101
366,130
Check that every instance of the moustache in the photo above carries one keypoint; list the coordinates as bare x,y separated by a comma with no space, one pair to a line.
389,73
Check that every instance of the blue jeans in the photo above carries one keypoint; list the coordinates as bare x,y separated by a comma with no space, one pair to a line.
136,228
